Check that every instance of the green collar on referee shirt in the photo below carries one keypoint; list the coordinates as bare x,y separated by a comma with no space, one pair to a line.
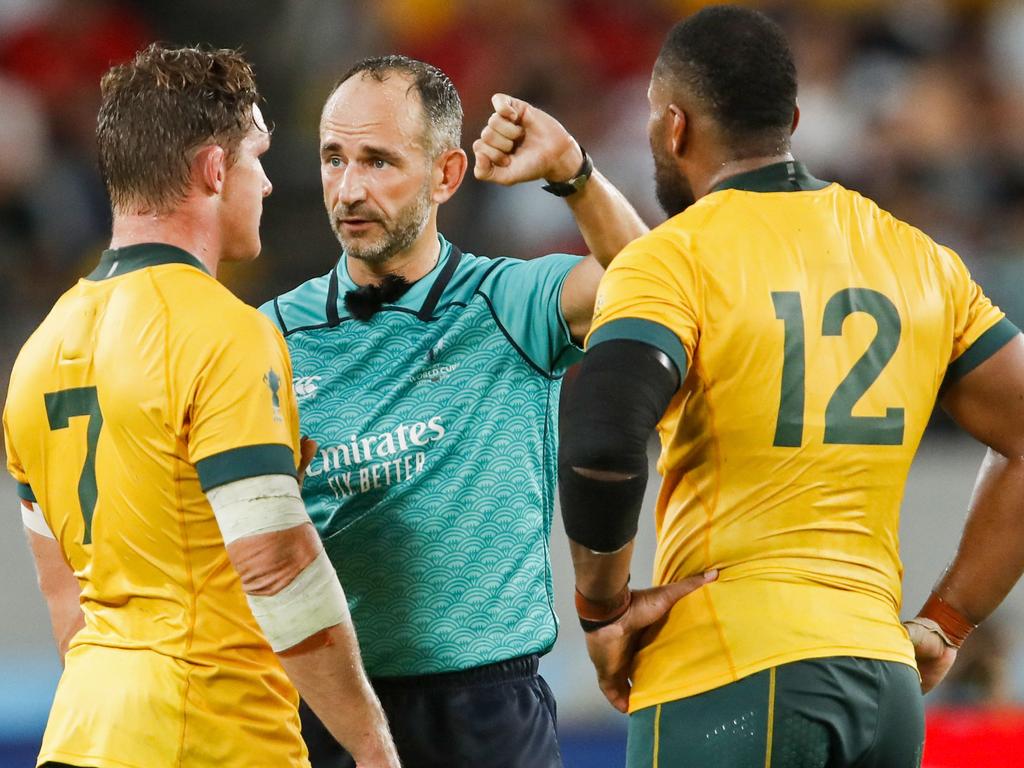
119,261
789,176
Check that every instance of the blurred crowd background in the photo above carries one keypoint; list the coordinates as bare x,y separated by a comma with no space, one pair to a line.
919,104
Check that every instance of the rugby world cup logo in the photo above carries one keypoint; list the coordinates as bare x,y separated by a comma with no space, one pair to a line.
435,371
273,382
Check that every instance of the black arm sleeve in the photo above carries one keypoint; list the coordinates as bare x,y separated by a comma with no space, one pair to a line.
620,394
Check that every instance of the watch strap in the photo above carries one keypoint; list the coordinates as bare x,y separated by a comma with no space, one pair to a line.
576,183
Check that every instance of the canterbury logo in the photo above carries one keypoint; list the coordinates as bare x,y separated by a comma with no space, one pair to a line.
305,386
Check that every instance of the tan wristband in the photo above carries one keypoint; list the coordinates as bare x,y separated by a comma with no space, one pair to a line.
952,625
595,614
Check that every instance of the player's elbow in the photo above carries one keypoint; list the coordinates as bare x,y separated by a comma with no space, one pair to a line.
623,388
268,535
269,562
613,452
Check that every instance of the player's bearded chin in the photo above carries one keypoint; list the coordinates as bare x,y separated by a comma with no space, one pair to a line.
672,188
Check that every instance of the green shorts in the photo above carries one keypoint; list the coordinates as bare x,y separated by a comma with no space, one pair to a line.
838,712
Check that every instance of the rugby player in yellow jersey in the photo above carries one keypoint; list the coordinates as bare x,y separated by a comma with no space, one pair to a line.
789,339
152,429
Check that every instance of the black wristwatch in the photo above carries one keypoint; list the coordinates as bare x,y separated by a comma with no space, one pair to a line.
576,183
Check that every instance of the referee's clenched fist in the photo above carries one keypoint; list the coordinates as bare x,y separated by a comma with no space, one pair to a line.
522,143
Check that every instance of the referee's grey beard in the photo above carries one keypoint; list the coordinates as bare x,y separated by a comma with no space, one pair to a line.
396,236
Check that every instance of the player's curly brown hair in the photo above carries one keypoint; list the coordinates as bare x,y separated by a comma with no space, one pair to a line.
158,109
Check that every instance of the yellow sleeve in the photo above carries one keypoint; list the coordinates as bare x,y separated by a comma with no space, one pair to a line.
980,329
242,414
14,465
649,294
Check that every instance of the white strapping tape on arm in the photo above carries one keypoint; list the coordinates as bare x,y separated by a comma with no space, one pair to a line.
32,517
313,600
257,505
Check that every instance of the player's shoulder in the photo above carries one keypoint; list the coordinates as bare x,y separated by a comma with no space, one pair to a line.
869,213
672,242
38,350
303,307
198,306
196,297
901,236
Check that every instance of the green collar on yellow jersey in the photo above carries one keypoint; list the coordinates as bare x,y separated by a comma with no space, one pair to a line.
789,176
120,261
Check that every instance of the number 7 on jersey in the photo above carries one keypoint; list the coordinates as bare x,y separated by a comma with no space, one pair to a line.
61,407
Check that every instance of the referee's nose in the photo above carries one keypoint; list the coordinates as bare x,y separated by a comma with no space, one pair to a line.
352,185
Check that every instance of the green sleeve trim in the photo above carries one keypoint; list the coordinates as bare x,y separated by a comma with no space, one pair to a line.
240,463
646,331
25,492
986,345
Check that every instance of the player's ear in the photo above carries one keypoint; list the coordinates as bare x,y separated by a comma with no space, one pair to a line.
448,172
209,167
796,118
676,130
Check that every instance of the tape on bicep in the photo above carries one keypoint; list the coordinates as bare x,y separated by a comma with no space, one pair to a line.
32,518
255,505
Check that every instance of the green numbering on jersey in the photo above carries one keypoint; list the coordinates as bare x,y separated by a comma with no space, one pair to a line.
841,426
61,407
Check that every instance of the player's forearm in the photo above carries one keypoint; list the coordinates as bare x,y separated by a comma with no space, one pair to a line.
600,576
60,589
67,619
605,218
328,673
990,557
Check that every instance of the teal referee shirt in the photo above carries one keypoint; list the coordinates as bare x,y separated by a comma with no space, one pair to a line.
433,488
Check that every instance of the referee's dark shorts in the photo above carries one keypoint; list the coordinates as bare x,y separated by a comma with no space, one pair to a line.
497,716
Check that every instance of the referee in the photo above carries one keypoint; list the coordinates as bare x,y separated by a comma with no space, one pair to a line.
430,379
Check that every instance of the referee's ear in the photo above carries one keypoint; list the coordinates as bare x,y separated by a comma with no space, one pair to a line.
448,172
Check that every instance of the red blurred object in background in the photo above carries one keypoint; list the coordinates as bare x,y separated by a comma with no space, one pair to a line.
958,737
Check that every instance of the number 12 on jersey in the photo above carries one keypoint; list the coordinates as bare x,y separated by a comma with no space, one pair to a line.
841,426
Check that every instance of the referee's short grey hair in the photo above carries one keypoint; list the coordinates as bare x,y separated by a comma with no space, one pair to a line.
441,104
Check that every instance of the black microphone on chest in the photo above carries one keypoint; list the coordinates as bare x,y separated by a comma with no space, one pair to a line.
366,300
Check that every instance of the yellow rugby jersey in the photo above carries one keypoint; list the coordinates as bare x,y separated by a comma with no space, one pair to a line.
815,331
148,383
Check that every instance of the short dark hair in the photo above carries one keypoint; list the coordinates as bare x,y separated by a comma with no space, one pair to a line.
442,107
737,62
157,109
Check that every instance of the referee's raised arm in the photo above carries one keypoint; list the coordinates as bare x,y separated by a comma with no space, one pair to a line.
522,143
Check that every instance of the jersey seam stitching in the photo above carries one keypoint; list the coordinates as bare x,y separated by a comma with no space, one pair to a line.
511,341
182,526
280,317
549,503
